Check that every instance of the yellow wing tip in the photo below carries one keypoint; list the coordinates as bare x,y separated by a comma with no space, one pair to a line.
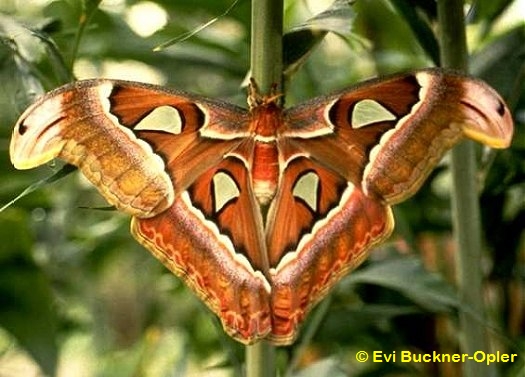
493,142
22,159
498,136
490,121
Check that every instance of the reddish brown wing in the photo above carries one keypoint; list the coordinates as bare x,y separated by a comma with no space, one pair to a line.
356,153
319,227
100,126
216,248
162,156
387,135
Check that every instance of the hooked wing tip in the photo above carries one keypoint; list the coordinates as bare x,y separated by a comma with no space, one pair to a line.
489,121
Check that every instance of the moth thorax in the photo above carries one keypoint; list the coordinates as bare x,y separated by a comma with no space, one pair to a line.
265,171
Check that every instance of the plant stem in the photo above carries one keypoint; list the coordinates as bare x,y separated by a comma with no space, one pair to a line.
266,68
465,205
260,360
266,43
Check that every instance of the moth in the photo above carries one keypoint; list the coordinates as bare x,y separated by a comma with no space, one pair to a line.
261,211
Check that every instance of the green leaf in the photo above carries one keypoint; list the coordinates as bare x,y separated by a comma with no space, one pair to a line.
393,45
63,172
338,18
348,322
421,29
297,47
301,40
28,48
500,62
487,11
27,309
408,276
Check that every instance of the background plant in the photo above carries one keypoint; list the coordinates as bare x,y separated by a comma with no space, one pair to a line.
80,297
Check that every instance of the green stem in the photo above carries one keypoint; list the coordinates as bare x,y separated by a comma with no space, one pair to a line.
465,205
260,360
266,67
266,43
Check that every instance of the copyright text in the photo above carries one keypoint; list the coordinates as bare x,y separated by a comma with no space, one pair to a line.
436,357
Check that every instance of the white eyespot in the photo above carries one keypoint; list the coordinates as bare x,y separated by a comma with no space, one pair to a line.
307,189
222,241
368,111
163,118
292,255
225,189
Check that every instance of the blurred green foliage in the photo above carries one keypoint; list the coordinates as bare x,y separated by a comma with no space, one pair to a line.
80,298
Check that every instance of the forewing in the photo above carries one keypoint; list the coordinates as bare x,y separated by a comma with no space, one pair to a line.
387,135
123,135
